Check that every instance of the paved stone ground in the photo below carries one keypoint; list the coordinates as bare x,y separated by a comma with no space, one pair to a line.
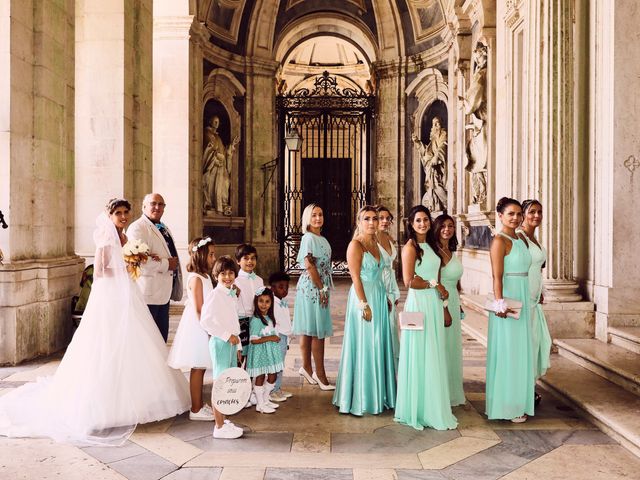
308,439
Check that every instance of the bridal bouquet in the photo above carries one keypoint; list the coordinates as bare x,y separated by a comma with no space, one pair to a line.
136,252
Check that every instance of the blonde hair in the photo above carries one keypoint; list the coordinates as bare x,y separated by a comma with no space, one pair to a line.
306,216
364,209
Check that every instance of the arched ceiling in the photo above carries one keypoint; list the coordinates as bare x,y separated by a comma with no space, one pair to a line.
255,27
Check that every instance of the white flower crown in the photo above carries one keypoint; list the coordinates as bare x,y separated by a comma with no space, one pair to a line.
201,244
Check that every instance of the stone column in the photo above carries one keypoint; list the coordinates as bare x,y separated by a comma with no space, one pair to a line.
113,108
388,160
40,271
261,148
615,81
177,66
557,152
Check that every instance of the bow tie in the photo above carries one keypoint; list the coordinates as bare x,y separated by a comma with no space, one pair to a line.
284,303
160,226
250,276
232,292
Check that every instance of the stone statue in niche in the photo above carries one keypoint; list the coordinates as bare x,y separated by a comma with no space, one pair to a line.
475,105
217,161
433,158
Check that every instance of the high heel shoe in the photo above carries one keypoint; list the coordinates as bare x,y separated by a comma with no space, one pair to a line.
322,386
308,378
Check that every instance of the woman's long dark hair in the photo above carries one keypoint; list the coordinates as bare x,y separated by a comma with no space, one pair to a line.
256,311
436,227
411,233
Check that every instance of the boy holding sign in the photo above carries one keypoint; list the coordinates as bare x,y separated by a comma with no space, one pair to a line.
220,320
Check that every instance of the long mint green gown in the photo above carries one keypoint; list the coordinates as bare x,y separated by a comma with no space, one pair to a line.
540,338
423,385
366,378
393,295
510,375
450,274
309,316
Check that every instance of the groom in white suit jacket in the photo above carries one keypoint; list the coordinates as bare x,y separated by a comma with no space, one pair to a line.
161,280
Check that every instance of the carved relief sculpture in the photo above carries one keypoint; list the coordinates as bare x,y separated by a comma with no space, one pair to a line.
433,158
475,105
217,160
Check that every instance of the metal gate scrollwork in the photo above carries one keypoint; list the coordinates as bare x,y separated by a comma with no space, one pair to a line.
333,116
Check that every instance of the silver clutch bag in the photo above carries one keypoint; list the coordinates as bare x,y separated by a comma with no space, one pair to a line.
411,320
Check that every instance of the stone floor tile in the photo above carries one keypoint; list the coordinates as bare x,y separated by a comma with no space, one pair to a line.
489,464
392,439
249,442
113,454
197,474
313,442
308,474
166,446
186,430
156,427
589,437
420,475
32,374
529,443
29,459
593,462
370,474
147,466
242,473
307,460
453,452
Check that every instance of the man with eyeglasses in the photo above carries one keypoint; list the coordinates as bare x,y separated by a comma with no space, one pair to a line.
161,279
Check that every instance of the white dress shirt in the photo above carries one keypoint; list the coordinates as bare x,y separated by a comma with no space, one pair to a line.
219,317
248,287
283,317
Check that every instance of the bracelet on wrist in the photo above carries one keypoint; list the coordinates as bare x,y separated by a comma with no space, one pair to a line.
324,289
362,305
433,283
499,305
445,303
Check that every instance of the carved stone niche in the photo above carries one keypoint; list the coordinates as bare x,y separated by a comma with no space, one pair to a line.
222,167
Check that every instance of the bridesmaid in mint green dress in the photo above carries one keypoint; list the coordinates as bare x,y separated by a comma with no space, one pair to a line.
446,243
510,375
540,338
312,314
423,385
366,378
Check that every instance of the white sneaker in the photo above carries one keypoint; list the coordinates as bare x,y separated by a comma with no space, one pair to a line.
277,397
205,414
252,399
286,394
228,431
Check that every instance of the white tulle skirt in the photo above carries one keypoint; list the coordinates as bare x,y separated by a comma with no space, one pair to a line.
190,347
113,376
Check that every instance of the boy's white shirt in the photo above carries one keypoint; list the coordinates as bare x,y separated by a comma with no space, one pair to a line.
219,317
248,288
283,318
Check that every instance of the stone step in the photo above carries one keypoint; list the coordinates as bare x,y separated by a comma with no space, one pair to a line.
176,308
614,363
611,408
625,337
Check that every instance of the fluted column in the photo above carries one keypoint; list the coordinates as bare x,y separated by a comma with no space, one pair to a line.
557,149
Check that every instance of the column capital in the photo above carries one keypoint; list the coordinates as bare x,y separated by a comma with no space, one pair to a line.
175,27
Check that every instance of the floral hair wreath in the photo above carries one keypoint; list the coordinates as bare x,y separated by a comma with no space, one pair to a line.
201,244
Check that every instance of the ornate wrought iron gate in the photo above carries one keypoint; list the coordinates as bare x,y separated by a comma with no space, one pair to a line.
332,168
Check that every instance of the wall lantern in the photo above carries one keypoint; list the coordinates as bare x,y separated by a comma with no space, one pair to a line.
293,139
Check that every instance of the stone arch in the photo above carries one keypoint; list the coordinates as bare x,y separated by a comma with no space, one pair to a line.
429,86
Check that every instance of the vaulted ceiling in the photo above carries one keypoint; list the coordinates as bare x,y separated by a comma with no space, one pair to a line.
393,27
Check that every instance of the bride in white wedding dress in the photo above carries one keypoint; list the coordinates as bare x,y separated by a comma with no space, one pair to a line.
114,374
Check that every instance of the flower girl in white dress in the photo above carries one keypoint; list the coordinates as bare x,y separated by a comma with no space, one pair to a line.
190,348
114,373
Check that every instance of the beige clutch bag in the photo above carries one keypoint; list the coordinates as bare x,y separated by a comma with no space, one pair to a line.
411,320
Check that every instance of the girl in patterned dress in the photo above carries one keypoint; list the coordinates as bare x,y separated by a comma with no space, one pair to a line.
265,357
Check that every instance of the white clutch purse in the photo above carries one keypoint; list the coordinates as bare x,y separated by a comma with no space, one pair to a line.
511,304
411,320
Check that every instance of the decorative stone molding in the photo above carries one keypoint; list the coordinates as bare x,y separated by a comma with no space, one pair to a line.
512,12
172,27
